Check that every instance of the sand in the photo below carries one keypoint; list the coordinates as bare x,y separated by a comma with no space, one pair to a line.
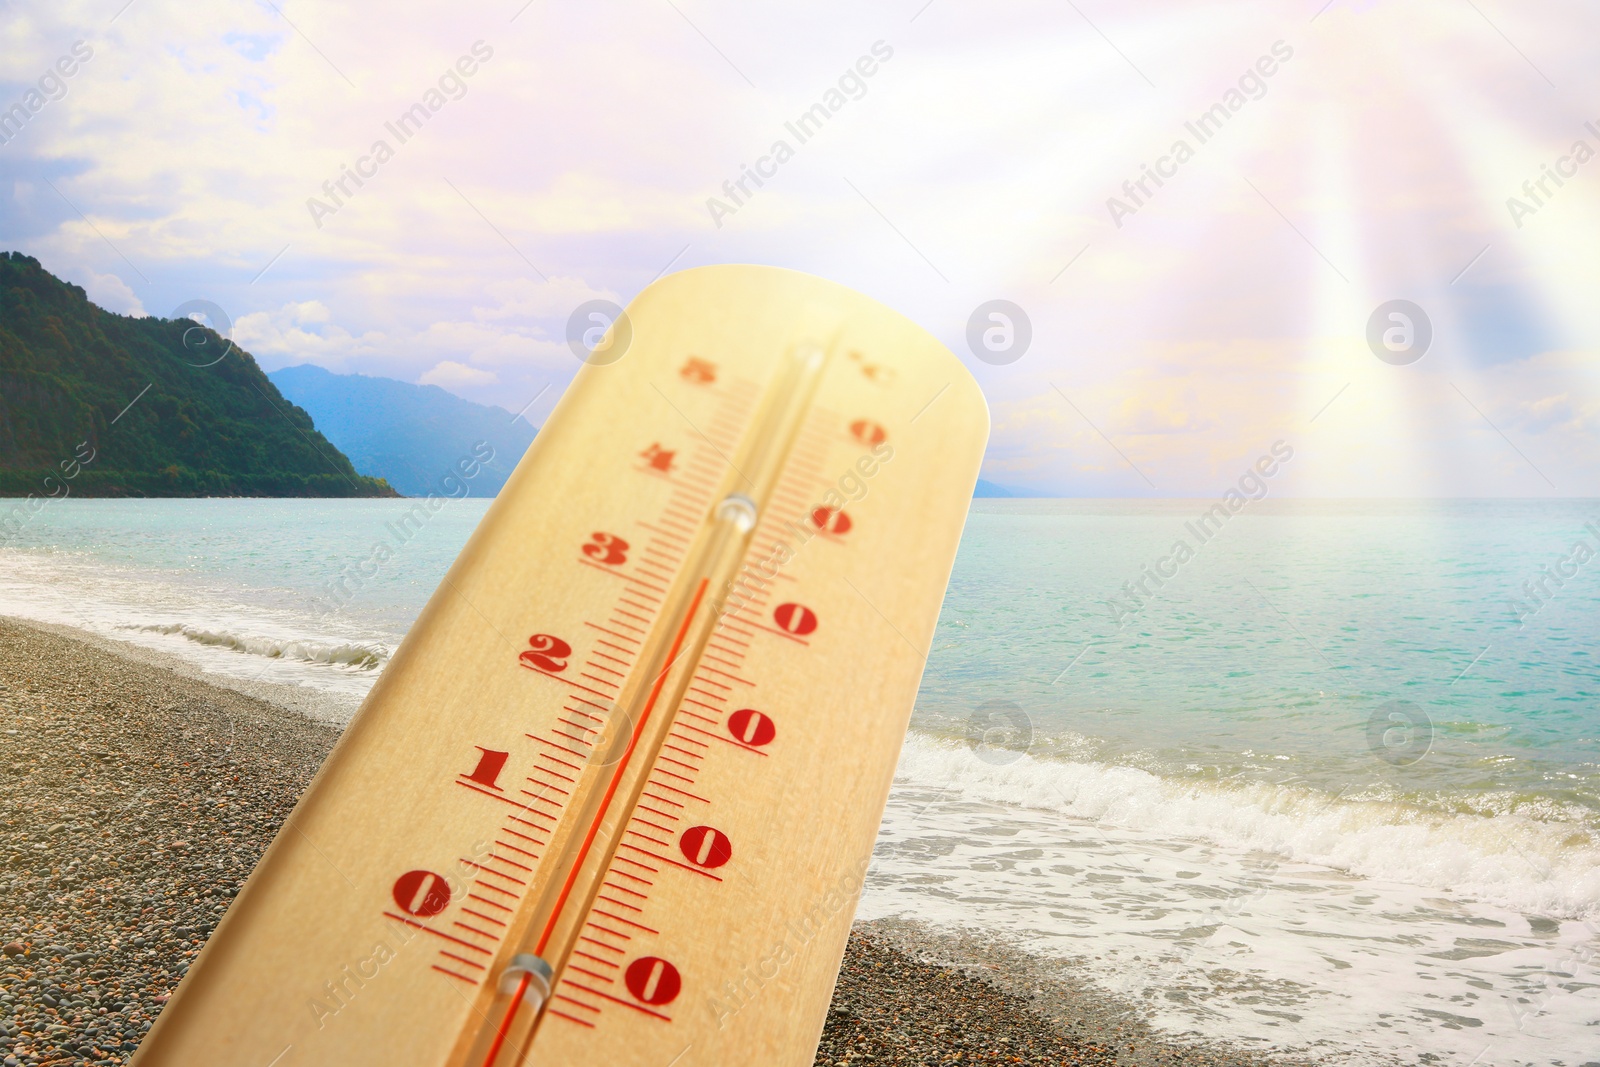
119,776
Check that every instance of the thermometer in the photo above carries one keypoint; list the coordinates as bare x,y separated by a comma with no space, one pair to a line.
613,799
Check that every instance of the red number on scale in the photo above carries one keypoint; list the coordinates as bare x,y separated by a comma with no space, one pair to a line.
831,521
868,432
795,619
607,548
489,767
421,893
705,847
546,653
872,371
751,727
657,458
653,980
699,371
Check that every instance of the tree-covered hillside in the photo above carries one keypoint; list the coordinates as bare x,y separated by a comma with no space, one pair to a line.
69,371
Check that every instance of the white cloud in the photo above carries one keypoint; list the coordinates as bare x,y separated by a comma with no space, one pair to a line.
303,332
528,298
979,160
449,374
113,294
455,355
494,345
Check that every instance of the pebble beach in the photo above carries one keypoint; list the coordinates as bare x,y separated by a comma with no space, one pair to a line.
135,800
113,775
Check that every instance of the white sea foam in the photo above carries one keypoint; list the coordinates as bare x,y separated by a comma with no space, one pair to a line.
1345,932
1540,867
364,657
221,632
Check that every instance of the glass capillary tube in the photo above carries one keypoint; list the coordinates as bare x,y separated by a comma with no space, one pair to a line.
545,935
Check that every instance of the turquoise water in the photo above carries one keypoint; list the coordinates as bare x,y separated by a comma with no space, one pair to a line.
1334,772
1263,659
1268,653
281,554
293,591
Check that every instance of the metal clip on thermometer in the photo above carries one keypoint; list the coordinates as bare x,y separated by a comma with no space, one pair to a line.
613,798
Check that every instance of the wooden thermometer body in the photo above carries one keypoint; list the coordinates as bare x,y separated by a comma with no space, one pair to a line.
613,798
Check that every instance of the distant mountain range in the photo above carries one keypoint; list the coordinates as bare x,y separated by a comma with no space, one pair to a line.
412,436
990,489
98,404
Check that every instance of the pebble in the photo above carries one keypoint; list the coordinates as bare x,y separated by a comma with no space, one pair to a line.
888,1007
121,765
913,993
98,919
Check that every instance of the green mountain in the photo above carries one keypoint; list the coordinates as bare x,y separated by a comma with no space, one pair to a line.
97,404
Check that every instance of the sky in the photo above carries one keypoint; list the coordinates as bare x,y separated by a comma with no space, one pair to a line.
1357,153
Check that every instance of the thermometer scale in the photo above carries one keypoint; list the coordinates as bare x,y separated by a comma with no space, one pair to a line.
614,796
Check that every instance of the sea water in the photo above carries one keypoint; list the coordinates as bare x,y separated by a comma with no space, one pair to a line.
1327,778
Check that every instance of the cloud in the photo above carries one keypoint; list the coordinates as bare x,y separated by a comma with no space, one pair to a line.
527,298
494,361
451,375
979,163
1553,398
303,332
495,345
113,294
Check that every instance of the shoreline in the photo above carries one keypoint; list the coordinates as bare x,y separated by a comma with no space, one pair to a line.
330,709
913,993
106,892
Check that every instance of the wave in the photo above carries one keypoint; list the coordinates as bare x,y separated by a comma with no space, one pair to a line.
1549,868
347,655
